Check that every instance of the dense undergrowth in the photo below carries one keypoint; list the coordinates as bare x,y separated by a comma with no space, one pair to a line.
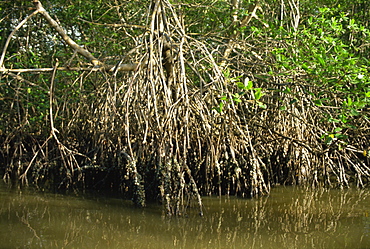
225,100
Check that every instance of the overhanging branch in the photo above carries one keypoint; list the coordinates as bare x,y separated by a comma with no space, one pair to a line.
108,68
98,65
64,36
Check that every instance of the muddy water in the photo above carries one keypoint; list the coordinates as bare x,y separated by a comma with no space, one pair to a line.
288,218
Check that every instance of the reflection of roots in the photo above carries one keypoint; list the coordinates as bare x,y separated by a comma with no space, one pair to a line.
25,221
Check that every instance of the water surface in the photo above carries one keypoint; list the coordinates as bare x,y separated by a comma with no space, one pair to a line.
290,217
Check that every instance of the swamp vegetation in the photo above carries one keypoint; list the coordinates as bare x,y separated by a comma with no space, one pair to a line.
171,100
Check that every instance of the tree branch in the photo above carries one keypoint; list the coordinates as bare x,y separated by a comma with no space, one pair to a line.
108,68
65,37
98,65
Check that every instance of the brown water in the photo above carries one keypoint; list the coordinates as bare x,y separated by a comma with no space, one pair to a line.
289,218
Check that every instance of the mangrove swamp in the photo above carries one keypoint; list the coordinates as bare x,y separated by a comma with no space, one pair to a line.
169,101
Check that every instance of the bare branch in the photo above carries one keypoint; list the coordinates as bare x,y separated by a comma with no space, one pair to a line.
108,68
64,36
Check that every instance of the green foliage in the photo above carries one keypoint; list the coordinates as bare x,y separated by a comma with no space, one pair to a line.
325,53
244,88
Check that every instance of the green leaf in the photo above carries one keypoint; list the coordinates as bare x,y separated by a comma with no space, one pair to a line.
287,90
349,101
293,101
354,112
258,93
282,108
334,120
305,67
227,73
262,105
248,84
341,136
240,85
318,102
349,126
321,61
328,138
221,105
219,108
236,98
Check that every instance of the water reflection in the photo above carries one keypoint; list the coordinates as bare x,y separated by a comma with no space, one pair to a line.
288,218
